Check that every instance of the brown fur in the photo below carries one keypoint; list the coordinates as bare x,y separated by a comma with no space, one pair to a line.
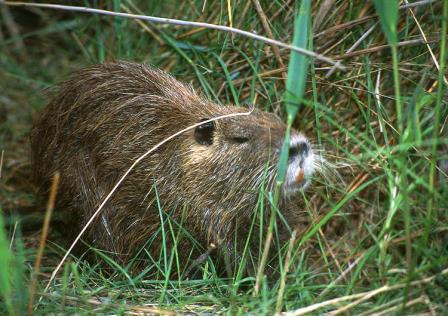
106,116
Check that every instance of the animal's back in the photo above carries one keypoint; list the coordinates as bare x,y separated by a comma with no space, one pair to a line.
199,188
101,120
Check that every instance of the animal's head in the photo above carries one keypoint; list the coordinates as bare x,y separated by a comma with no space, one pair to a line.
228,160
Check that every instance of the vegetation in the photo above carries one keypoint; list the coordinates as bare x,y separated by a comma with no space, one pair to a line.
377,237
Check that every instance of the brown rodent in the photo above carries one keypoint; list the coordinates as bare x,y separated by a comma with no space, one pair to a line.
203,185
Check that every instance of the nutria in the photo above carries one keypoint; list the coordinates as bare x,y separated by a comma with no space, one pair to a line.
206,181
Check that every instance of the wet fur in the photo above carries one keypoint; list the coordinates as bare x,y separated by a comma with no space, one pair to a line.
106,116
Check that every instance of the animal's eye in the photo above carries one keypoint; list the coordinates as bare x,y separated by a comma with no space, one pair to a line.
240,139
203,134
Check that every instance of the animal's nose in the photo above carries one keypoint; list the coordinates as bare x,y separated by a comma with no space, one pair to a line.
298,148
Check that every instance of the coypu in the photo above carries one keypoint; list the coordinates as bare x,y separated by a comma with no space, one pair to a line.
207,180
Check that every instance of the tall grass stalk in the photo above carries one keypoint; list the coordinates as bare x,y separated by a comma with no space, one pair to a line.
295,87
388,13
6,270
437,119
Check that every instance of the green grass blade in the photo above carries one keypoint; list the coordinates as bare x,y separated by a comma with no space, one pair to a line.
298,63
6,260
388,13
429,221
295,84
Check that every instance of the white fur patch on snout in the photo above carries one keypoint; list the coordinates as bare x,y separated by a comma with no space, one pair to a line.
300,167
297,138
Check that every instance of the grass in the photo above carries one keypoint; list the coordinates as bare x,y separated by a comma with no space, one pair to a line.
376,241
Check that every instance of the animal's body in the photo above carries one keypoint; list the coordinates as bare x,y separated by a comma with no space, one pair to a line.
206,180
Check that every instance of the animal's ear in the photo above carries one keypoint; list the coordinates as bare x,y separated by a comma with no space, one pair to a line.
203,134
